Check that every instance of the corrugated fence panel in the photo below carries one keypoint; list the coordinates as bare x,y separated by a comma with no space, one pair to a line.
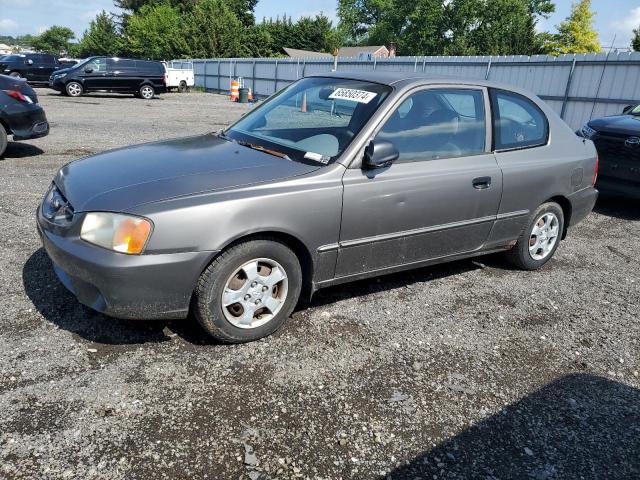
578,87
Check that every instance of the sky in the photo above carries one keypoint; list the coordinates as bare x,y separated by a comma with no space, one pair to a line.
614,18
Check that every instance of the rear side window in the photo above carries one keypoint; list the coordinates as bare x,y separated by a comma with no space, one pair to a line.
518,122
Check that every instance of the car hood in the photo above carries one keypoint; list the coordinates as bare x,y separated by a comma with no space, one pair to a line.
121,179
620,124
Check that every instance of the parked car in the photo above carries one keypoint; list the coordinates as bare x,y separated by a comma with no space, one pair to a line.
179,78
142,78
617,139
35,67
20,114
235,226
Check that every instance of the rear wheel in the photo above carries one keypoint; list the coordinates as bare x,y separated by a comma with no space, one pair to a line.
74,89
248,292
146,92
540,239
4,140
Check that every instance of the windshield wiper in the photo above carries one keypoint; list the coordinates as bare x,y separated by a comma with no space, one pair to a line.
260,148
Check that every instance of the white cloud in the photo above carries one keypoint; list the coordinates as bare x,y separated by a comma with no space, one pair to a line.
6,24
628,23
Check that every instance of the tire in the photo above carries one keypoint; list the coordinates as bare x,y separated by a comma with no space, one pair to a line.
15,75
4,140
231,272
74,89
146,92
182,86
540,240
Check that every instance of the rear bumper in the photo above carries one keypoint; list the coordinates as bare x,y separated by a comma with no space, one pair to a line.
28,122
124,286
582,203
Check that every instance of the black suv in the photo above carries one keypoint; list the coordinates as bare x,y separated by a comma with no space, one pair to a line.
35,67
143,78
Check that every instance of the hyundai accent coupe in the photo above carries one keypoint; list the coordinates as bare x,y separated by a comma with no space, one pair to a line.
335,178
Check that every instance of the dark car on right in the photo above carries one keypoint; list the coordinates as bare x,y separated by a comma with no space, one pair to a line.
617,139
143,78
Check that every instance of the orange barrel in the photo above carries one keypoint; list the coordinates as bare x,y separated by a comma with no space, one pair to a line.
235,90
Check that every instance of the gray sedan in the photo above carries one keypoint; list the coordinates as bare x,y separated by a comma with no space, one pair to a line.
335,178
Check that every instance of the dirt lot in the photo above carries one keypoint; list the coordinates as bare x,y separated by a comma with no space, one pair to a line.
467,370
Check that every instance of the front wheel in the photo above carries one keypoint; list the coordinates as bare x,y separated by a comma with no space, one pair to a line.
540,239
74,89
248,292
146,92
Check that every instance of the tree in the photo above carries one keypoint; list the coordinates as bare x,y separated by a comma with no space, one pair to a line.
437,27
576,34
155,32
213,30
635,43
102,37
55,40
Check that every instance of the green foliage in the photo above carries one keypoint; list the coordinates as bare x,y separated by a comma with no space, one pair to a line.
102,37
155,32
576,34
213,30
635,42
55,40
456,27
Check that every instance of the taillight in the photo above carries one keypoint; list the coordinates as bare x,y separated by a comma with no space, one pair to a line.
595,170
18,96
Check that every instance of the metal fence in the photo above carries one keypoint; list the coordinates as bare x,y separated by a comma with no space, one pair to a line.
578,87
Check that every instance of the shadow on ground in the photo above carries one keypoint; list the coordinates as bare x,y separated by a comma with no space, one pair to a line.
579,426
57,305
21,150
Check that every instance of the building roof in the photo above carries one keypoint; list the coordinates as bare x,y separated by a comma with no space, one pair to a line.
343,52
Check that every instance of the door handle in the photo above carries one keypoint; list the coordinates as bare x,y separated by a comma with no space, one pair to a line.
481,183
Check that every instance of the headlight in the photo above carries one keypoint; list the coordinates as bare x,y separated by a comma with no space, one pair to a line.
587,131
121,233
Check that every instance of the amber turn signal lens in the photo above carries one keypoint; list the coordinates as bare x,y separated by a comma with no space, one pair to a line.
131,235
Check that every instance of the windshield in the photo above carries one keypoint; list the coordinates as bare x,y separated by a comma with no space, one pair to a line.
311,121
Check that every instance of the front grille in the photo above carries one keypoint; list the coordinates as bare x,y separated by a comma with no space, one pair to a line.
56,208
611,148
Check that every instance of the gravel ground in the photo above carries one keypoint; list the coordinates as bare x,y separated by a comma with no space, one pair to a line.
465,370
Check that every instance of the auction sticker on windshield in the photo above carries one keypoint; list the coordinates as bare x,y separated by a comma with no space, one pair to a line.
360,96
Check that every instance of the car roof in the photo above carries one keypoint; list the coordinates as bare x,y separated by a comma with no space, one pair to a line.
402,79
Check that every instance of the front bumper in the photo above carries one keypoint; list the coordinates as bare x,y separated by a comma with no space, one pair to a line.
120,285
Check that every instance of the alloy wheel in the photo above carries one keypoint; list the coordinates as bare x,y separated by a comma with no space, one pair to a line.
254,293
544,236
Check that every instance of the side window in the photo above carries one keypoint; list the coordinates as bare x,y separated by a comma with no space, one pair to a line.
437,123
98,65
518,122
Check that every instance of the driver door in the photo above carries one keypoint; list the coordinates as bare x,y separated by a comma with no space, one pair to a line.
94,74
440,197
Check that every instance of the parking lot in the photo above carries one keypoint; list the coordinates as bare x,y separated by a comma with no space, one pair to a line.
465,370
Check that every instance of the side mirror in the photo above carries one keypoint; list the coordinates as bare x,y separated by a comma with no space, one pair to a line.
29,62
379,154
627,109
88,70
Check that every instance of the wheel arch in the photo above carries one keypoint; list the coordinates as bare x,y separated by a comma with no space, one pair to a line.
298,247
567,209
